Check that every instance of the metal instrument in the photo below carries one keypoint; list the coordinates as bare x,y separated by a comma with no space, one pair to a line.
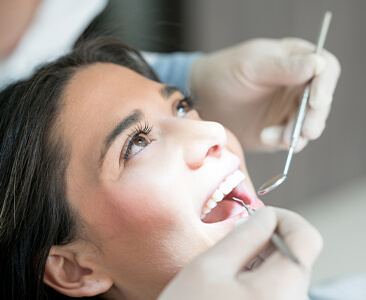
275,239
280,178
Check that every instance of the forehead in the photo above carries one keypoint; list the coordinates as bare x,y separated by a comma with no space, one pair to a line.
95,100
100,80
100,89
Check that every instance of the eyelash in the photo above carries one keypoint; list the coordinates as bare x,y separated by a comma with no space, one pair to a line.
146,128
136,132
190,100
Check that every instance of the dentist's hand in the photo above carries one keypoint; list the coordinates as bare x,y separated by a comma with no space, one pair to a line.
220,274
254,89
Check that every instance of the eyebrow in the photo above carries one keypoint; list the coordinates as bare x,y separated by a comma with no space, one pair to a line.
167,90
131,120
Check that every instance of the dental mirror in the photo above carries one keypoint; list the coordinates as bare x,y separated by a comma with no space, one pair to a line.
280,178
272,184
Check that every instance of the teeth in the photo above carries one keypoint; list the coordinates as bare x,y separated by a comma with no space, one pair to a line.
225,188
211,204
239,175
231,181
206,210
217,195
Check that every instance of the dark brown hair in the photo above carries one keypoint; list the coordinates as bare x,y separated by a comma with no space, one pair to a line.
34,211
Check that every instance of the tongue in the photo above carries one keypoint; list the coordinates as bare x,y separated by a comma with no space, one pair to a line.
224,210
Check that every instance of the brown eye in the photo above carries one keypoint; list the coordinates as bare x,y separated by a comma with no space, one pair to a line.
182,108
136,144
141,141
137,141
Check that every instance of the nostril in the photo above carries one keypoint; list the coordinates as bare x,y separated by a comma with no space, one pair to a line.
214,151
196,159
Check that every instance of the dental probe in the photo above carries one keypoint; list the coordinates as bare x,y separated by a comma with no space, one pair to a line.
280,178
276,240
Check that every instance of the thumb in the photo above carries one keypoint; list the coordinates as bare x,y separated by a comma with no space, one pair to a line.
288,70
239,247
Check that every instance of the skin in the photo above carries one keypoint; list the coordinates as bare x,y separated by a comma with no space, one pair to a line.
144,221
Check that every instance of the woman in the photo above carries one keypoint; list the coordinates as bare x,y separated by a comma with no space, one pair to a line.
108,179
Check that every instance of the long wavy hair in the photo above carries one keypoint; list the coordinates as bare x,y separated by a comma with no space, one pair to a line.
34,210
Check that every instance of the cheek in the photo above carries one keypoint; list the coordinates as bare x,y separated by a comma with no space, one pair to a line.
142,201
234,146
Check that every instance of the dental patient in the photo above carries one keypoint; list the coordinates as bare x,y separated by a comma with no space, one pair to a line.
111,183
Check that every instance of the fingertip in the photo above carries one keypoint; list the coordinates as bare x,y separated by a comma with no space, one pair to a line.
319,100
243,243
307,66
240,221
272,136
261,224
287,135
319,64
314,123
302,141
310,236
301,144
318,242
313,131
266,217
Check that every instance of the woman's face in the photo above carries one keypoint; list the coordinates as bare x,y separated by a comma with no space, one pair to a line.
143,166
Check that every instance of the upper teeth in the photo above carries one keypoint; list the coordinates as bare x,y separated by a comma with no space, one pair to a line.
224,189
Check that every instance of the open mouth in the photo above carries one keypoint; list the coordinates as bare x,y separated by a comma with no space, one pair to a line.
221,206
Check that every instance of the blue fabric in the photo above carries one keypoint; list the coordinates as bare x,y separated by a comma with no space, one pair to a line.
173,68
351,287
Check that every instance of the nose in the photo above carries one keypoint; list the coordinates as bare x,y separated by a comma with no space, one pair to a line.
203,140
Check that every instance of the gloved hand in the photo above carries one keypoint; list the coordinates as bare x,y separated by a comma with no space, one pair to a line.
220,272
254,88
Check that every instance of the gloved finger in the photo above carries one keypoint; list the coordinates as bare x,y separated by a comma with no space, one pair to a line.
258,260
279,137
240,246
305,243
326,77
287,70
324,84
272,137
285,279
300,236
314,123
298,46
287,135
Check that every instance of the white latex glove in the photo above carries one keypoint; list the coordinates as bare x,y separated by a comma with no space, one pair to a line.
219,273
254,89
